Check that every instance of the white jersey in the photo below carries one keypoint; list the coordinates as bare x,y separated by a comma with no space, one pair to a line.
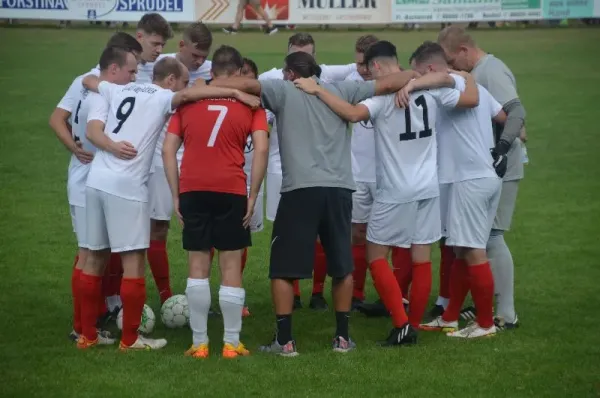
203,72
76,102
362,146
406,144
329,73
137,114
465,139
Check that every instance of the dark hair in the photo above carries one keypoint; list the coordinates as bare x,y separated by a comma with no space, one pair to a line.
125,42
301,40
199,35
154,23
427,51
381,49
165,67
226,61
252,65
364,42
303,64
113,55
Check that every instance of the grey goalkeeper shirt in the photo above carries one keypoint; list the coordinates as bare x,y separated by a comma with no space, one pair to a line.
494,75
314,142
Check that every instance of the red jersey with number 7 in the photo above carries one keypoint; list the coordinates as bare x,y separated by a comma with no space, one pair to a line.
214,134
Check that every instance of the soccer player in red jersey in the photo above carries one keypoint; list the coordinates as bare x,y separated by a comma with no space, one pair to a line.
211,200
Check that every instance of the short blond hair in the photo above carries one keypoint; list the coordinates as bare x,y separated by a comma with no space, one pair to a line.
453,37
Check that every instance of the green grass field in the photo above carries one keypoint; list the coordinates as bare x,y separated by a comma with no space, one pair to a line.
554,242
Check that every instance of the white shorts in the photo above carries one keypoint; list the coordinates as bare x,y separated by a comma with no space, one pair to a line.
405,224
112,222
444,192
471,209
159,195
362,201
78,219
257,222
273,194
506,207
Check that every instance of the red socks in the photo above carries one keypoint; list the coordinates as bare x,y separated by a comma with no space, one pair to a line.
320,270
459,287
111,281
447,258
244,259
419,292
76,298
389,291
296,285
402,264
90,293
159,264
482,291
359,275
133,295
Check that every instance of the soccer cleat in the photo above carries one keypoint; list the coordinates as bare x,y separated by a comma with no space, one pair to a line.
212,312
436,310
199,351
286,350
502,325
144,344
297,302
376,309
84,343
109,316
404,335
245,311
468,313
342,345
271,31
230,30
74,336
318,302
473,331
438,324
356,302
230,351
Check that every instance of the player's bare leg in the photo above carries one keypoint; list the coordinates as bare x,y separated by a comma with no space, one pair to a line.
317,300
158,257
231,300
421,283
133,295
245,310
90,293
282,292
391,295
199,300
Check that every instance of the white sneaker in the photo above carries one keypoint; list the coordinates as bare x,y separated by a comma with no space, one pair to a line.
144,343
438,324
473,331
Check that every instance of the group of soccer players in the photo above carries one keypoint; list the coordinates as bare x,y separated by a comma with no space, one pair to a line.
152,134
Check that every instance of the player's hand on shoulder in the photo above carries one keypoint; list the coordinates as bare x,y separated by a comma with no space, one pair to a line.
124,150
81,154
249,212
523,135
402,98
308,85
251,100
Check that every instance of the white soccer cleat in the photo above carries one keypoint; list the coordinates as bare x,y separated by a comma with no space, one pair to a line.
438,324
144,343
473,331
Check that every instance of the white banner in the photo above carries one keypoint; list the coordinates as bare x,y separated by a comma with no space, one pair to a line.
101,10
308,12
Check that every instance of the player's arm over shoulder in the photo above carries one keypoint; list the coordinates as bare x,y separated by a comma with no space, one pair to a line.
273,93
451,90
495,108
340,105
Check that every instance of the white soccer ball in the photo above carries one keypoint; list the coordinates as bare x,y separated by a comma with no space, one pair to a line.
146,323
175,312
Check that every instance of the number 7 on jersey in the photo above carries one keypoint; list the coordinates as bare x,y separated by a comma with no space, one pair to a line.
215,131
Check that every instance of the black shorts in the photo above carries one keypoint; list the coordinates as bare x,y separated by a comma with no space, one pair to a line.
213,219
302,215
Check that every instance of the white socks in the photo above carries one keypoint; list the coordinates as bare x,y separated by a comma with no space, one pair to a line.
198,296
231,301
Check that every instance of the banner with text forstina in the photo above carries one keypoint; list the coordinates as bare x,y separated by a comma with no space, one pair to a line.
102,10
465,10
298,11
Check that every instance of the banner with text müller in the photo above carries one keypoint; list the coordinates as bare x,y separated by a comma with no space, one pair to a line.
424,11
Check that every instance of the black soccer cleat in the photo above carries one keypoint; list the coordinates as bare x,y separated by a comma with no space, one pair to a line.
404,335
297,302
356,302
317,302
468,313
212,312
502,325
230,30
272,30
373,310
436,310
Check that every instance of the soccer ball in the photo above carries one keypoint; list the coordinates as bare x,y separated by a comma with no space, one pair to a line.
147,322
175,312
